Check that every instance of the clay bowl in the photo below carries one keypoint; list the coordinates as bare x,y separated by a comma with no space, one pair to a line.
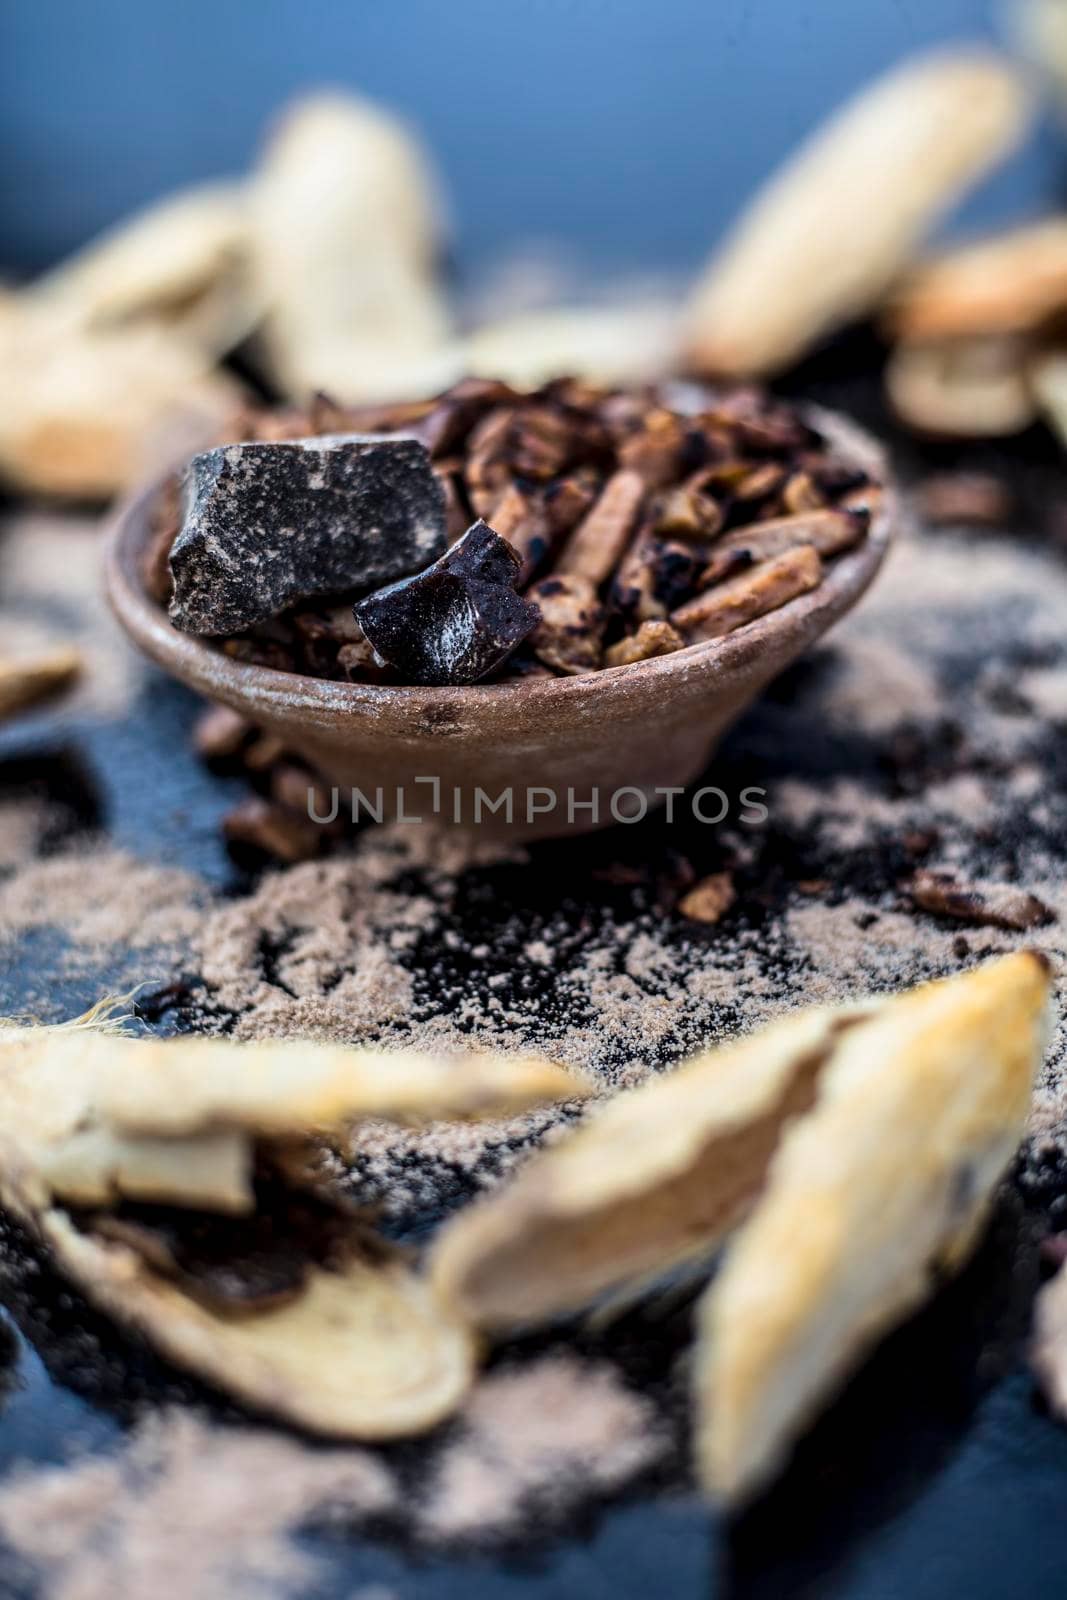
622,734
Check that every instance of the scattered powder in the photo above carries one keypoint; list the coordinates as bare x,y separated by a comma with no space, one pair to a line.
103,899
186,1509
529,1436
884,684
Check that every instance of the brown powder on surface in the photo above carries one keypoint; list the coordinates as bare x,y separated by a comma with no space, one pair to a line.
186,1509
529,1435
105,902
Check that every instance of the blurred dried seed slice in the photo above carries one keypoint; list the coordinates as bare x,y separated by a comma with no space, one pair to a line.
345,236
962,388
174,1088
362,1351
82,1106
1040,28
82,410
257,828
1011,283
657,1175
612,344
886,1181
156,263
220,733
94,1166
26,683
816,248
1048,1355
347,1342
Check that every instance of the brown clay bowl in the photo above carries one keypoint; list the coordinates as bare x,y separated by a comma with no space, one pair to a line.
624,733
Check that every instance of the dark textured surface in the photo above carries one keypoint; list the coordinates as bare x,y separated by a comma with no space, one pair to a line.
936,1475
266,524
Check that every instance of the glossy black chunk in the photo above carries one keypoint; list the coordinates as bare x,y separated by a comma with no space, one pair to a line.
458,621
265,525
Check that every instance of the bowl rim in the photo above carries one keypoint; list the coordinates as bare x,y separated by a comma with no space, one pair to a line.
197,663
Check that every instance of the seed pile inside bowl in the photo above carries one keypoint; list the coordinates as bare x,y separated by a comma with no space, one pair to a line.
572,528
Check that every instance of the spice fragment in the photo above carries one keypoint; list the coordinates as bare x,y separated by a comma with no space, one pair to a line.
457,621
764,587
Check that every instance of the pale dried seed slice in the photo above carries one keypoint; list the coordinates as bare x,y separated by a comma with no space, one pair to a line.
364,1352
888,1178
26,683
361,1350
92,1114
165,1087
815,249
762,588
95,1167
612,344
80,407
344,238
155,263
1039,29
657,1175
1011,283
966,388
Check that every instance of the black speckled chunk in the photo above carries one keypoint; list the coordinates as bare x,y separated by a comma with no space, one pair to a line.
458,621
265,525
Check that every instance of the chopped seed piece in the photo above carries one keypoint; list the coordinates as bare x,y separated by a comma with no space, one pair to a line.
992,905
569,636
710,899
656,638
751,594
601,537
828,532
257,825
966,388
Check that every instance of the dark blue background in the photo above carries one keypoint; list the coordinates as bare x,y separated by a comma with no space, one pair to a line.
626,130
